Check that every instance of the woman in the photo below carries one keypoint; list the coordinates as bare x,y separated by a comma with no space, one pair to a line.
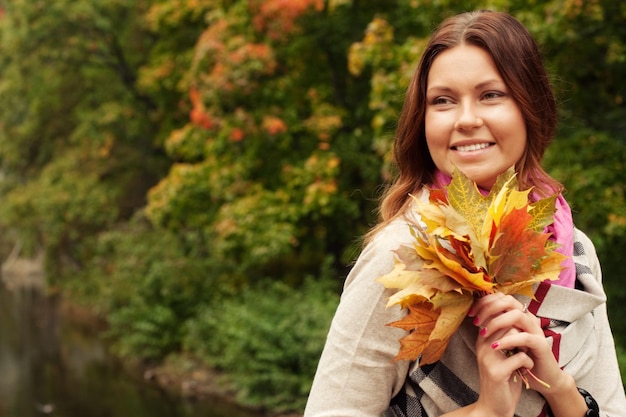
480,101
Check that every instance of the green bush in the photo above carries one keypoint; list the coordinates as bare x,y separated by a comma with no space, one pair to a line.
146,283
267,339
145,331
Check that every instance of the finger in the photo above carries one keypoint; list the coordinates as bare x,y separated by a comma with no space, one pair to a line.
518,360
528,341
500,364
513,319
492,305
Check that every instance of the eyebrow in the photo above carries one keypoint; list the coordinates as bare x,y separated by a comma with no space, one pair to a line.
478,86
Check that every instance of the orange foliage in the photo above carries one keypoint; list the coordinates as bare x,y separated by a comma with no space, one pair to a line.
198,114
236,135
227,61
274,125
249,52
277,17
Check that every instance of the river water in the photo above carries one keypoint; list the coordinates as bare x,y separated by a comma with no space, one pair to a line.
49,366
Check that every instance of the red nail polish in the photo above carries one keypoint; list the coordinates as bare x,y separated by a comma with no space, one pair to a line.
495,345
476,321
483,331
471,312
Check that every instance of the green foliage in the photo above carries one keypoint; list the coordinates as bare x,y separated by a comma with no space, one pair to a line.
621,358
271,117
148,283
268,339
596,189
79,136
146,331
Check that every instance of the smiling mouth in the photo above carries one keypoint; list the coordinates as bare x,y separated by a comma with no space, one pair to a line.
472,147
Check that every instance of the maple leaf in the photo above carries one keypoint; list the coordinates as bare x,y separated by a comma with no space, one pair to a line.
517,249
433,350
408,256
468,244
430,214
439,281
466,199
550,267
412,288
437,255
420,322
453,308
543,213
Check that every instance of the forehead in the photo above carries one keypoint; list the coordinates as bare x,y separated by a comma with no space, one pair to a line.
463,64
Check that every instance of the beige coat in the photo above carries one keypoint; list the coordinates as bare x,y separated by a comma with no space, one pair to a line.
356,375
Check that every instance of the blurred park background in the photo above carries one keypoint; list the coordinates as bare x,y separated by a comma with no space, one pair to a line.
198,173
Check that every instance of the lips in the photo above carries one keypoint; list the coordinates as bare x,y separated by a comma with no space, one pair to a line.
472,147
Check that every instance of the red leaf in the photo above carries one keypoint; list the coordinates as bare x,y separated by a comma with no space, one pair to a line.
516,249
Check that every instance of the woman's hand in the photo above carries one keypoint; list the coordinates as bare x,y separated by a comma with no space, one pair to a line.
510,343
511,347
507,326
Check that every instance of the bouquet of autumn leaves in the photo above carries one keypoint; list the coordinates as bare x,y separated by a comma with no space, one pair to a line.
469,245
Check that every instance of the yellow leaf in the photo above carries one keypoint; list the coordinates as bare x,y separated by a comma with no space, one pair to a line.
466,199
550,267
522,288
399,277
430,214
414,293
408,282
506,200
543,213
454,307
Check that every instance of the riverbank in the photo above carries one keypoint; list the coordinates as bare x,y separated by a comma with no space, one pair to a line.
179,375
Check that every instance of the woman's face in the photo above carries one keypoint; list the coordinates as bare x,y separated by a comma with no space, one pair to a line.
472,122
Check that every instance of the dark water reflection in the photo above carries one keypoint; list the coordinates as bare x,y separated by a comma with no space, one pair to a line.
50,367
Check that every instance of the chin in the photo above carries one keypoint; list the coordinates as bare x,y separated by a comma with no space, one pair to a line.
484,183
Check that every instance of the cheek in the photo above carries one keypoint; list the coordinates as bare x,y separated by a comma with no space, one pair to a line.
435,129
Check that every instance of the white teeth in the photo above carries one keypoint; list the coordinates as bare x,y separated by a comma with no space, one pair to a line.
474,147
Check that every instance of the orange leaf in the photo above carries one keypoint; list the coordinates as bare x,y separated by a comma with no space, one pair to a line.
433,351
517,249
420,322
437,196
453,269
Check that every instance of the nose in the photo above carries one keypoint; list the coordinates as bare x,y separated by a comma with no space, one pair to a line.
468,118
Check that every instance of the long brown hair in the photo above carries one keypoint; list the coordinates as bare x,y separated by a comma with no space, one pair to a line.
517,58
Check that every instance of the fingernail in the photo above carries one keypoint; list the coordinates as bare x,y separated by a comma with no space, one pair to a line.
482,331
471,312
495,345
476,321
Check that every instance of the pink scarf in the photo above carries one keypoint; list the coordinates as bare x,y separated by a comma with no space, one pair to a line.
562,231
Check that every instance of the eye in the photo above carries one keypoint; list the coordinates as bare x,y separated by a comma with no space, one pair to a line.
440,100
492,95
